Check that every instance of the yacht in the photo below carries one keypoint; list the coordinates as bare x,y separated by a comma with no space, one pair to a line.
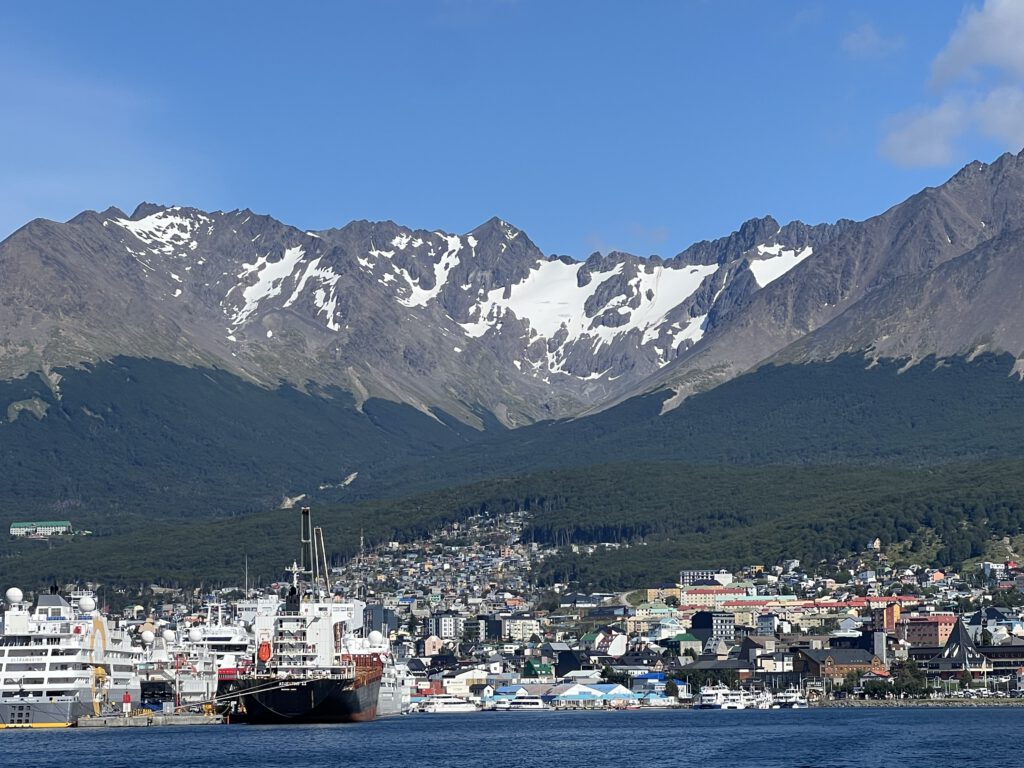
62,660
175,672
739,699
444,702
791,698
723,697
710,697
526,703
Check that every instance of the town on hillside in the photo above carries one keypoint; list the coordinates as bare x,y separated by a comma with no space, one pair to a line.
460,608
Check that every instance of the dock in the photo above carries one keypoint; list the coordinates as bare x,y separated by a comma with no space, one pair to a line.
145,721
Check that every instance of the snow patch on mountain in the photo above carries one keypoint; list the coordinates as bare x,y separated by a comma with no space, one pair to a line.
165,231
419,296
548,298
325,297
552,302
666,288
270,278
780,262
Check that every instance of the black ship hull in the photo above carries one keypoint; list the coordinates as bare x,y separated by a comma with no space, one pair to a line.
318,700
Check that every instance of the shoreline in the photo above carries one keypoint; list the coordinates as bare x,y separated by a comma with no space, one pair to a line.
927,703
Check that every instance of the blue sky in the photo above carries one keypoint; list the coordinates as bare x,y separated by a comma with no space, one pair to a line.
592,126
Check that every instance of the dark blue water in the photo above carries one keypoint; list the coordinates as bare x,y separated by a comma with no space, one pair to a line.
830,738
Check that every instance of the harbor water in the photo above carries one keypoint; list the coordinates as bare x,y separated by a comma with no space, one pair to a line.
830,738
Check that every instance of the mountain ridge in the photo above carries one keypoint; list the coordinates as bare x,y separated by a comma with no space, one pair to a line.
484,322
542,335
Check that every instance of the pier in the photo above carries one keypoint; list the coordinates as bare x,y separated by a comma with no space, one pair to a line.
145,721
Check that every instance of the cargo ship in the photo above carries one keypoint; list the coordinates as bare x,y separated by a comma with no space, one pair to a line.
313,662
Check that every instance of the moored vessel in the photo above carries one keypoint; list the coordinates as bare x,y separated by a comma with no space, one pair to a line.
444,702
526,703
313,664
61,661
710,697
791,698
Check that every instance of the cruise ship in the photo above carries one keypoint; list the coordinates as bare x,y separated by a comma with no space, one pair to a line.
61,660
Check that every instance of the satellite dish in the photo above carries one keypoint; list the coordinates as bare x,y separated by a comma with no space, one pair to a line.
168,636
14,595
375,638
87,604
195,635
148,637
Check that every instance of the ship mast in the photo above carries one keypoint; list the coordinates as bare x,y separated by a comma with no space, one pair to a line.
313,554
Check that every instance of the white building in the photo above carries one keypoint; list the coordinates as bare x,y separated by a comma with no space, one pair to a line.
41,528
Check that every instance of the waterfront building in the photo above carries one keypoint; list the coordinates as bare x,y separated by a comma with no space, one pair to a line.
958,656
835,663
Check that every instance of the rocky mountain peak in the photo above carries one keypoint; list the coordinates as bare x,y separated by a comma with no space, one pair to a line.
485,321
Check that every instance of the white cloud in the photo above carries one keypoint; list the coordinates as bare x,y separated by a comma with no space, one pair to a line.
979,77
1000,114
989,37
925,137
866,42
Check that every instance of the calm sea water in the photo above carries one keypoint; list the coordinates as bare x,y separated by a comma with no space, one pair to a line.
829,738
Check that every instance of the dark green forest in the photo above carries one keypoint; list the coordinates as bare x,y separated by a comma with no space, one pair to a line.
177,471
670,515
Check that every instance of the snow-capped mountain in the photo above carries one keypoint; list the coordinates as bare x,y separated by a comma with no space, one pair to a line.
939,274
483,324
471,323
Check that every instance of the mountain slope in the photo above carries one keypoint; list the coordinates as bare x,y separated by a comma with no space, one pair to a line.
398,358
134,435
477,323
845,411
979,204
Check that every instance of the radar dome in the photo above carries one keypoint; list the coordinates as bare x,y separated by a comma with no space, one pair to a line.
14,595
195,635
168,636
148,637
375,638
87,604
